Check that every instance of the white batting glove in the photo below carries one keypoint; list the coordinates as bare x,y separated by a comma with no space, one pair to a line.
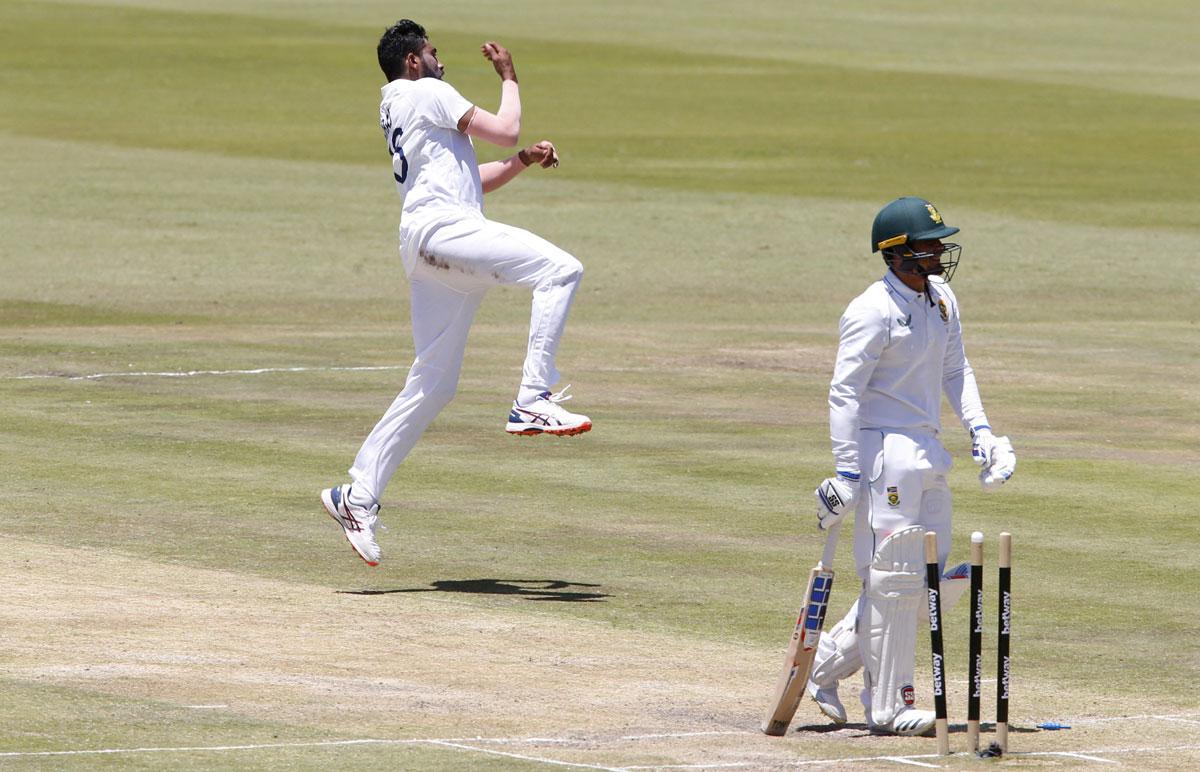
983,442
995,455
835,497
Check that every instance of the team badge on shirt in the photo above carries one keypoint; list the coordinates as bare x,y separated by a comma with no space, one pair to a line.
943,310
893,496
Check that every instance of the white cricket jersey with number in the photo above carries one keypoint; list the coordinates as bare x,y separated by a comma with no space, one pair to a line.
898,352
434,163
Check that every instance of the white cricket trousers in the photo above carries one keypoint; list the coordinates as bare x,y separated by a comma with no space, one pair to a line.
903,484
457,265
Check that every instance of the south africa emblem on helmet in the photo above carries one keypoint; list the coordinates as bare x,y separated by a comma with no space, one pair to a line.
893,495
943,310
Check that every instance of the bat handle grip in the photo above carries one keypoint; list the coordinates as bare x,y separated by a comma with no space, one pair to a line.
831,539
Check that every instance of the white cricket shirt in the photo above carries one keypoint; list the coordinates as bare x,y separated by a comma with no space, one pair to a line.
433,163
897,354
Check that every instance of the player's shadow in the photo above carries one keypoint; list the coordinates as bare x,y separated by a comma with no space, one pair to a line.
529,589
830,727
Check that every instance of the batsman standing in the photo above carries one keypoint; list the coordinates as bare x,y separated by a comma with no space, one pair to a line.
453,255
900,348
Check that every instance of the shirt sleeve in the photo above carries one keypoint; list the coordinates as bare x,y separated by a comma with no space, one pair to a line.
958,379
862,336
441,103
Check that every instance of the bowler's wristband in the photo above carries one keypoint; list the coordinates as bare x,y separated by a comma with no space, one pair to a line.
524,158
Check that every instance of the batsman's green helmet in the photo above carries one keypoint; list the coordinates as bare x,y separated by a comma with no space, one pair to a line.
905,220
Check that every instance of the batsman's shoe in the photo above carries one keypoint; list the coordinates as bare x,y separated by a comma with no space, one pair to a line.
358,523
828,701
545,415
909,722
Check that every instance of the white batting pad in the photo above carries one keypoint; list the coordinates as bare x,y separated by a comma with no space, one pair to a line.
954,584
837,653
888,623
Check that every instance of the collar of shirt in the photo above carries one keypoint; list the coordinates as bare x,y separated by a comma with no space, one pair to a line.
899,288
905,293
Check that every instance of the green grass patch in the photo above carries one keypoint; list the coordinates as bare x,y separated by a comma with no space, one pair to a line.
206,191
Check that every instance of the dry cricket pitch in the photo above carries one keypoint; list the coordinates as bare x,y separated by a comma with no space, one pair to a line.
412,669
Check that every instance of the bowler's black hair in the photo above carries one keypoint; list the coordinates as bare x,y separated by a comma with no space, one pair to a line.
401,39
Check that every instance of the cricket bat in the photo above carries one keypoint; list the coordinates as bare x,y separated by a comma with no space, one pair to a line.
803,647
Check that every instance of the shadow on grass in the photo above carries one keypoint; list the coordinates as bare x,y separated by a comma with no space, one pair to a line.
826,728
530,589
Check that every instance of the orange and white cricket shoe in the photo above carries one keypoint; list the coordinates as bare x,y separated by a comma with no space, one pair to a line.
358,523
545,415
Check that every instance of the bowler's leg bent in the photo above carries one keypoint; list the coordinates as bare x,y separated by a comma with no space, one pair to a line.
504,254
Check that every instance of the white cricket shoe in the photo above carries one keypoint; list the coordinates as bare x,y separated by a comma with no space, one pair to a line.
358,523
909,722
546,416
828,701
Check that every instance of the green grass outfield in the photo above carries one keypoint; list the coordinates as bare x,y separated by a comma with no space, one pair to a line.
202,188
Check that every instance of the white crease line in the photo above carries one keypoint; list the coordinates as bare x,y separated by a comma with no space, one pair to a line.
591,740
521,740
1082,756
191,749
1093,757
269,746
912,760
1185,717
730,765
461,745
556,762
680,734
193,373
1156,749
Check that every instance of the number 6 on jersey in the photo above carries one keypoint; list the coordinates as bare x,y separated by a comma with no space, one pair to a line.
803,647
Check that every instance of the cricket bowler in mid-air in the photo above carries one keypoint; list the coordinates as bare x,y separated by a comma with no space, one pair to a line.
900,349
453,255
